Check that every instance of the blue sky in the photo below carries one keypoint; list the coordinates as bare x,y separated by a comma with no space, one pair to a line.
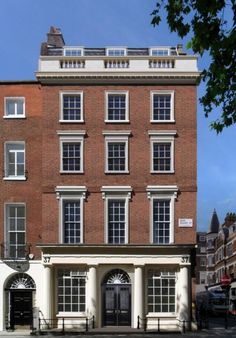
99,23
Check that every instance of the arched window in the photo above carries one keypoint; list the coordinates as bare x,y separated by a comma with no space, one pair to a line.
20,281
116,276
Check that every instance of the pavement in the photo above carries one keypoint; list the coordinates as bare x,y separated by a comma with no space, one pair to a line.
215,328
217,333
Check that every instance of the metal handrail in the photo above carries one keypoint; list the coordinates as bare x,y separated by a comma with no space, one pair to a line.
182,323
140,321
51,323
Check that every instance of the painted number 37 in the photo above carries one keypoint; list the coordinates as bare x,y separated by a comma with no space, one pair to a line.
46,259
185,259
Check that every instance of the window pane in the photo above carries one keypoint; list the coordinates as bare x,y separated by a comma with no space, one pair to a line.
71,156
14,107
116,221
68,299
71,221
159,299
116,107
161,221
15,158
116,156
15,226
161,107
161,156
72,107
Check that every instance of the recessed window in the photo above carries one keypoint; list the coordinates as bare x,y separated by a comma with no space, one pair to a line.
116,51
116,213
159,51
116,221
71,150
71,199
116,150
162,151
161,291
71,107
71,290
162,213
71,221
15,231
15,160
162,106
14,107
73,51
71,156
117,107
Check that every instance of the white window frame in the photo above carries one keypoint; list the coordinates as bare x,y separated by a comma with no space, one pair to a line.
6,226
73,48
72,137
163,275
116,193
15,116
117,137
162,92
8,177
153,49
70,193
72,93
117,92
79,275
110,49
162,137
162,193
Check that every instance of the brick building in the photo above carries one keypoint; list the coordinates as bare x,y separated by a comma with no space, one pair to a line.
221,249
201,262
98,191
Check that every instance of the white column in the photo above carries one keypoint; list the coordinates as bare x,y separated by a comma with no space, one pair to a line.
138,294
47,292
92,292
184,311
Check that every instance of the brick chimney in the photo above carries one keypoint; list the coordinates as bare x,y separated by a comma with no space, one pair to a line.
55,38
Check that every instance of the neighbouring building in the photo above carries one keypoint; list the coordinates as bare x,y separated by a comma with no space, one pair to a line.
98,188
221,252
201,262
210,238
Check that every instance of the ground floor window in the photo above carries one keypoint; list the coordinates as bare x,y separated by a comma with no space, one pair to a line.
161,291
71,290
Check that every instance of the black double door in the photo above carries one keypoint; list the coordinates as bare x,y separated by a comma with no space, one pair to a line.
21,308
117,305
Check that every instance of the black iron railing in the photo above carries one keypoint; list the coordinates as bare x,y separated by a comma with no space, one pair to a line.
65,324
156,325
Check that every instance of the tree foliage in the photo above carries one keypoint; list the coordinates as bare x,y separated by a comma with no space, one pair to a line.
212,25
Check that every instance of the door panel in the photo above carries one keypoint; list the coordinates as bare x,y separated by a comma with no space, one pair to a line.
21,308
124,305
117,305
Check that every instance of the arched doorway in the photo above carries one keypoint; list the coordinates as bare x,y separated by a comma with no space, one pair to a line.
116,299
19,291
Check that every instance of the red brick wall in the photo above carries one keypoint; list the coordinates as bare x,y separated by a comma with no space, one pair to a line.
139,158
30,131
39,131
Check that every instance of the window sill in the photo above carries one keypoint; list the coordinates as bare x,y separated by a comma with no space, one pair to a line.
71,172
71,314
14,117
162,172
162,121
161,314
117,121
71,121
117,172
14,178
